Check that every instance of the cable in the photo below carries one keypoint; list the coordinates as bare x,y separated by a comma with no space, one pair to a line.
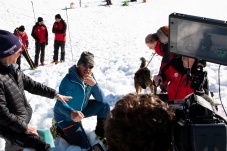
220,90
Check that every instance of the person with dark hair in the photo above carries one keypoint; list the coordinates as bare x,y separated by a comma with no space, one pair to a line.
59,30
40,34
80,83
175,73
15,110
139,123
159,43
20,32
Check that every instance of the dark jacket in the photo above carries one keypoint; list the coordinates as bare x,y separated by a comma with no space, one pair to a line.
59,30
40,33
15,111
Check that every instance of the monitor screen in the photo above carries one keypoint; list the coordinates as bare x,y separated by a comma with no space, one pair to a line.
198,37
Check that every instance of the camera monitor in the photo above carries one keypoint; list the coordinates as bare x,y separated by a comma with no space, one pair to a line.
198,37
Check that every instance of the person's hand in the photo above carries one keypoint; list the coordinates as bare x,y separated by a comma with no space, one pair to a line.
76,116
89,80
31,130
62,98
37,40
157,80
46,42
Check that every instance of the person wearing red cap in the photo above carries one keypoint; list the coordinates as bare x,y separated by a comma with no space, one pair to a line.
59,30
20,32
15,110
40,34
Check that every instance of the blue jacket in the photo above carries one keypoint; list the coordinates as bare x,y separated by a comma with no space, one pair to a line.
72,85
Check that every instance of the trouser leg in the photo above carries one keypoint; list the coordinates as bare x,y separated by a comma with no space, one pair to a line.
12,147
56,48
19,61
63,51
42,45
28,59
25,141
100,109
37,51
74,134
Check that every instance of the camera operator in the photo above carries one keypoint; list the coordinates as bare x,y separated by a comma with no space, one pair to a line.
177,75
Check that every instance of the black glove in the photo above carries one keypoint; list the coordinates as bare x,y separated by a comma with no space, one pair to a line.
46,42
37,40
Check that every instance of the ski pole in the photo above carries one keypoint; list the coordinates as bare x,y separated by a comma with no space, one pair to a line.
69,31
33,11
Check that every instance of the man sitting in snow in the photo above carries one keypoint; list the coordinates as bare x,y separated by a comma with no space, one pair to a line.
80,83
139,123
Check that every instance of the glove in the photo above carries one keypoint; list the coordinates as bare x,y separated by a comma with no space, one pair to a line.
46,42
37,40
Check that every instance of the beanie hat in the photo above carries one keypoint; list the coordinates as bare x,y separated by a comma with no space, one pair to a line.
86,58
21,28
162,34
9,44
58,16
40,19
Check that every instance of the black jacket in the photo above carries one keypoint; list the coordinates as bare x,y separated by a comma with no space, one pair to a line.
15,111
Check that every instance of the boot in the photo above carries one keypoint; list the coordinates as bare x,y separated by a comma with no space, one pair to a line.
99,130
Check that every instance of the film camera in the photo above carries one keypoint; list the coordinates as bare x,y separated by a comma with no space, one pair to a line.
198,126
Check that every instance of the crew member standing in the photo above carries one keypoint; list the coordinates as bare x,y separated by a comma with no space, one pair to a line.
20,32
40,34
59,30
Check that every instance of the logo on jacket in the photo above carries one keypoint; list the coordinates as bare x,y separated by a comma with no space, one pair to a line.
176,75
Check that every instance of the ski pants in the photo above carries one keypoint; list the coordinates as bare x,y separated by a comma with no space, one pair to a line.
58,44
18,141
39,47
28,59
73,131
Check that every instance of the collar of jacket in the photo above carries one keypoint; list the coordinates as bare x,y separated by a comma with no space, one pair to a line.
73,72
4,68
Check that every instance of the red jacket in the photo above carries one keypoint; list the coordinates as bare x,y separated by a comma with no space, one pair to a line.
39,33
163,50
175,76
23,37
59,29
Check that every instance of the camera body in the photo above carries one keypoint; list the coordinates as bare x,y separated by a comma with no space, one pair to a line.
198,126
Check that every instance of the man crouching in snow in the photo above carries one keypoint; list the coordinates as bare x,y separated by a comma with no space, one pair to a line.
80,83
15,111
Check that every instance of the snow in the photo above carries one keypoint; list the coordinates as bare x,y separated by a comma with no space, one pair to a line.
115,35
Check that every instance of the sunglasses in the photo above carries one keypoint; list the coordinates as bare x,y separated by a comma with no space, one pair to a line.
88,66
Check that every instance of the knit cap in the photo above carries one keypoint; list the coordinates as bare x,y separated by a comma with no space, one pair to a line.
9,44
86,58
58,16
21,28
40,19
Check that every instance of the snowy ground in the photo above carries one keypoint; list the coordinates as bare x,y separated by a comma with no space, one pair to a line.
115,35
